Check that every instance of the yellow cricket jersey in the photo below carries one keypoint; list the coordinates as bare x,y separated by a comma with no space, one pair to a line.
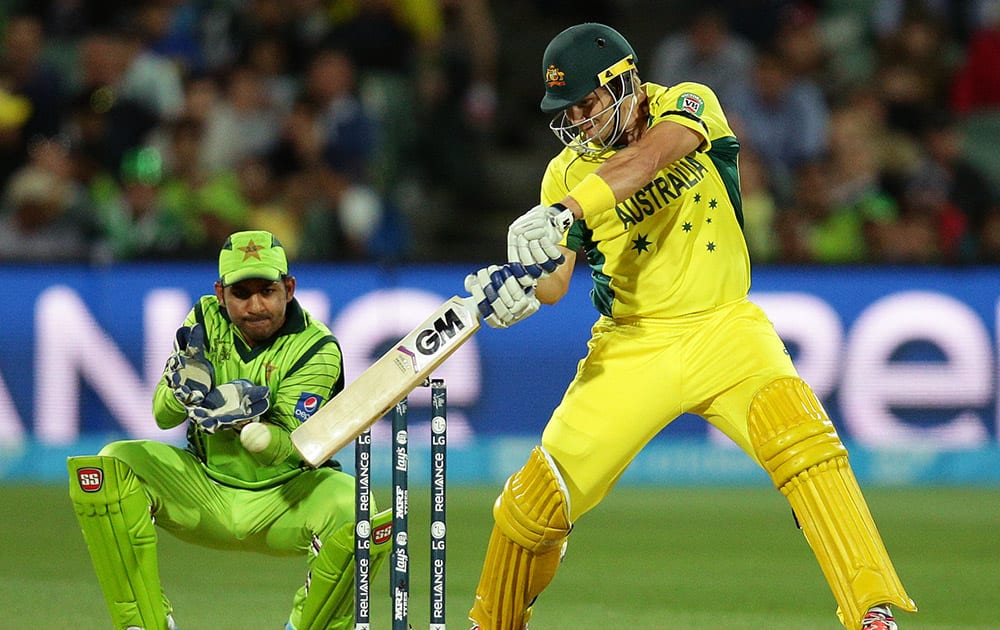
676,246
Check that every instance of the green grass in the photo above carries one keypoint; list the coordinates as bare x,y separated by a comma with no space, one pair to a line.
646,558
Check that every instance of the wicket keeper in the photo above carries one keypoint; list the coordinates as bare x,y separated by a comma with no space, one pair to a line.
650,173
246,356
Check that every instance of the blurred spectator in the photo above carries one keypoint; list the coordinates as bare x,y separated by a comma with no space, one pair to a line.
268,58
951,188
104,123
209,202
149,79
457,107
171,30
821,227
705,51
351,132
134,224
915,68
914,236
976,86
759,209
782,118
244,123
27,78
43,218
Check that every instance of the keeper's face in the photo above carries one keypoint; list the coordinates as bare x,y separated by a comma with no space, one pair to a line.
257,306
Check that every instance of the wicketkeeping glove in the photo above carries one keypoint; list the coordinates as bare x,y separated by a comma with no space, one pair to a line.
231,405
188,372
533,239
505,294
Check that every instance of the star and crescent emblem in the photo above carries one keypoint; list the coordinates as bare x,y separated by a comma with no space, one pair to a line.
251,250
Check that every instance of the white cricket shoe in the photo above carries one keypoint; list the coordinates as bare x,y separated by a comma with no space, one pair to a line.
879,618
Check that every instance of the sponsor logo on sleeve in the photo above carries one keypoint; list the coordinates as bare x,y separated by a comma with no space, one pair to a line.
307,405
691,103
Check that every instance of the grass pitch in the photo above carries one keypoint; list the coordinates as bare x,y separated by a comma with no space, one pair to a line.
646,558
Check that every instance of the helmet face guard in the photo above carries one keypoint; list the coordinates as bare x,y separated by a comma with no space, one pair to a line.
589,135
578,61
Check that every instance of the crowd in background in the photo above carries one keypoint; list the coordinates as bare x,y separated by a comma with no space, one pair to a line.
409,130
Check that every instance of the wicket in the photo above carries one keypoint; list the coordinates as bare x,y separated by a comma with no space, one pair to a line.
399,561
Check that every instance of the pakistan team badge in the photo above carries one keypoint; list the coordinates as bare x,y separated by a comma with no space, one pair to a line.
691,103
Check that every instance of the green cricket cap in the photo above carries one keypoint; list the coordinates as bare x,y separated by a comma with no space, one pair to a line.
252,254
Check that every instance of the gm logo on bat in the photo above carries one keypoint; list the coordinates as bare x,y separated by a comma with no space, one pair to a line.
430,341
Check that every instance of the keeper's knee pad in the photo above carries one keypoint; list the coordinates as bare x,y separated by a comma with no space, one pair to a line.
800,449
531,525
113,513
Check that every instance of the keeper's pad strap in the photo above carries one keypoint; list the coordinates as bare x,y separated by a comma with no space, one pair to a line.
113,513
329,604
531,525
798,446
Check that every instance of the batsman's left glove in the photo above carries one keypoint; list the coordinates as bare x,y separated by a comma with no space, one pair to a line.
231,405
505,294
533,239
188,373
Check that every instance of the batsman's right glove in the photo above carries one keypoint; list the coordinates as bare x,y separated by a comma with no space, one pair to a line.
231,405
533,238
188,372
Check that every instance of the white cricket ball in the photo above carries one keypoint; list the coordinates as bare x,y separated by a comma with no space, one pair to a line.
255,437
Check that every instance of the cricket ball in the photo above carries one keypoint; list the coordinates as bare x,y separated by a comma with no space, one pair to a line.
255,437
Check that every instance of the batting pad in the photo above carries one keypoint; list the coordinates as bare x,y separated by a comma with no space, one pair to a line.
799,447
329,604
113,513
531,524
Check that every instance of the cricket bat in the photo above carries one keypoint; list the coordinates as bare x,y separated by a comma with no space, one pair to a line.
390,379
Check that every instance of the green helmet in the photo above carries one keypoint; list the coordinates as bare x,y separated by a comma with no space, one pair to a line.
581,59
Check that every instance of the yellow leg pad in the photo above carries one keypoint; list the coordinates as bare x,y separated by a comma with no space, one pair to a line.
799,447
531,523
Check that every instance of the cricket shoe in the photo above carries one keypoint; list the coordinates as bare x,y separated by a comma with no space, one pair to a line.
879,618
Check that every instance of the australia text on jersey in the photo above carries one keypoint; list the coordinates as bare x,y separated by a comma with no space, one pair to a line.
664,188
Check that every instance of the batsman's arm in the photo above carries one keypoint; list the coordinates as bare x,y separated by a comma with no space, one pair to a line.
553,286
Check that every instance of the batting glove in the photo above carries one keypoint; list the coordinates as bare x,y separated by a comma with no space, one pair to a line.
505,294
533,239
231,405
188,372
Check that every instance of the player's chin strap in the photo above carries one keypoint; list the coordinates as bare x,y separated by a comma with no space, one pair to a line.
113,513
798,445
531,525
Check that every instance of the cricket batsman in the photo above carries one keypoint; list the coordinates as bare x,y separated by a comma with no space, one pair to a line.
647,188
248,366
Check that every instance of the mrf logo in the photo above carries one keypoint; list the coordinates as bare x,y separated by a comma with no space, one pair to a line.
430,340
90,479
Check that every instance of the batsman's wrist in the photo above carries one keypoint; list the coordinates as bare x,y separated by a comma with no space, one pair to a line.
593,195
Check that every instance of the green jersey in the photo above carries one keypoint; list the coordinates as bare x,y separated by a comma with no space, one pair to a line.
676,246
302,366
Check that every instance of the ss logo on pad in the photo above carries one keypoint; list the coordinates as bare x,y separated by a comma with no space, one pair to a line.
91,479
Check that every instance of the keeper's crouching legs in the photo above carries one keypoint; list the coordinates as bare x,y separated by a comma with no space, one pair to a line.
113,513
799,447
531,525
